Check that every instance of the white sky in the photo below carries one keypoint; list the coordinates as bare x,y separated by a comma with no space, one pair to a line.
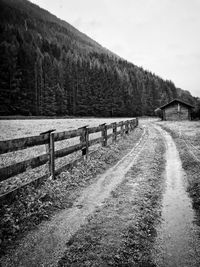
162,36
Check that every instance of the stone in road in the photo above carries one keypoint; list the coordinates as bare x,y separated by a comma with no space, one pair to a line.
177,241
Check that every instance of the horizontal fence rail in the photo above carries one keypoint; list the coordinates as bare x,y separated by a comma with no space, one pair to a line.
50,137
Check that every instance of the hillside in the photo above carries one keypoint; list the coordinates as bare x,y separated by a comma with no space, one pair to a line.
47,67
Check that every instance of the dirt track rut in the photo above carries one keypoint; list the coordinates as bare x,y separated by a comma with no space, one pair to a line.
177,242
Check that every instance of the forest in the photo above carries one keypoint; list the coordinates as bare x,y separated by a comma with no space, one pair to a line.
49,68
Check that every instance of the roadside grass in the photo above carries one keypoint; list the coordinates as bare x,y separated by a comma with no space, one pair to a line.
32,205
187,138
189,130
22,128
122,232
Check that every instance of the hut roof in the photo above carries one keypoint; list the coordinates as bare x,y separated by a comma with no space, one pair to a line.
177,101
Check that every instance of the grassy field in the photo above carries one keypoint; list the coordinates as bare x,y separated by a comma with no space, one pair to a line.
20,128
186,130
11,129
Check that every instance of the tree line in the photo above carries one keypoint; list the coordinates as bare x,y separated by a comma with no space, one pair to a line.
47,67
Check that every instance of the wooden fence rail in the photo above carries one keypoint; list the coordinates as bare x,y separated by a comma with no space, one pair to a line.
49,138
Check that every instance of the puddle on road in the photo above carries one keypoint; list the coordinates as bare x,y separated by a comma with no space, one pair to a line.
177,242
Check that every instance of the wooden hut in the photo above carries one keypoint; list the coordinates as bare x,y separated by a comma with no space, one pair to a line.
176,110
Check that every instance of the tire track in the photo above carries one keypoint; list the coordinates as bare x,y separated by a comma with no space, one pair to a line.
177,241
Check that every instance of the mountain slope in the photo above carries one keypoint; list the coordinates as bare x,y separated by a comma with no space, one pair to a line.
47,67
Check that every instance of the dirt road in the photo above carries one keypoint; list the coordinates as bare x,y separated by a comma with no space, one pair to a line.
135,214
177,242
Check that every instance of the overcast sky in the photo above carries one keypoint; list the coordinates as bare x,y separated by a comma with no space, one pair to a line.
162,36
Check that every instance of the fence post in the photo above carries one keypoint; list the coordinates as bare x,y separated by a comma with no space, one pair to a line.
133,124
87,142
84,138
136,122
114,137
126,127
104,134
50,149
52,156
122,128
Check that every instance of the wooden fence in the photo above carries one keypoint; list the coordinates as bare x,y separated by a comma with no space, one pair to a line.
50,137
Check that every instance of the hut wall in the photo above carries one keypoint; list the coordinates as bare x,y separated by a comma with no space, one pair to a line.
172,113
184,113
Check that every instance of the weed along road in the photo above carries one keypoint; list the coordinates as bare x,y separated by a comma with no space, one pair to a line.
135,213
